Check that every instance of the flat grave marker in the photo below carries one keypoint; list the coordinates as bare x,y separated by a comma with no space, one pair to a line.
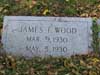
31,36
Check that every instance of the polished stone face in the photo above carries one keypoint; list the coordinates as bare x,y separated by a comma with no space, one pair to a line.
43,36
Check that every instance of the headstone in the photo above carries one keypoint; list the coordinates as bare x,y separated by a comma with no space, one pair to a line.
31,36
98,23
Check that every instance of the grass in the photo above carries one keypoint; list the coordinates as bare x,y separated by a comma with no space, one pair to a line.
55,8
76,65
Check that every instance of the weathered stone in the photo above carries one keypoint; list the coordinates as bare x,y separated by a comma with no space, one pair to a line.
44,36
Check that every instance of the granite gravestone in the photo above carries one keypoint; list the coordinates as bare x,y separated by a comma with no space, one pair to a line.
31,36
